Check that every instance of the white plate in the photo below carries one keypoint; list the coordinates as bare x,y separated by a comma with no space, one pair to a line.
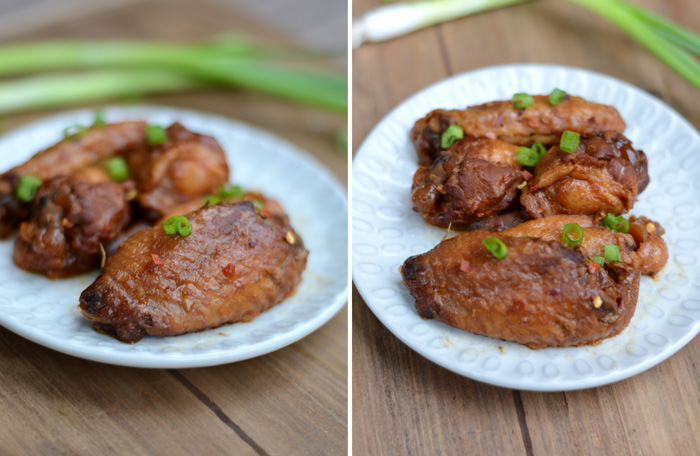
386,232
46,312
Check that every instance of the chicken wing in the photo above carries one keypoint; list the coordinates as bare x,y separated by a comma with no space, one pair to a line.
235,264
540,122
63,158
605,174
188,166
475,178
74,217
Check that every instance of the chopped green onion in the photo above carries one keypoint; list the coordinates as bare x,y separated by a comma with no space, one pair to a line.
177,224
230,191
618,223
556,97
211,200
117,169
156,135
27,187
496,247
258,204
612,252
451,135
74,132
99,121
522,100
576,230
599,259
526,156
569,141
540,149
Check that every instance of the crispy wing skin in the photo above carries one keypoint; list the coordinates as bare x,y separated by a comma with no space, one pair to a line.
188,166
540,122
267,206
234,265
73,215
541,295
473,179
604,174
65,157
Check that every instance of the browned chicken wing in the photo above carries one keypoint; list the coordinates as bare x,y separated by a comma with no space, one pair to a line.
540,122
605,174
188,166
266,206
475,178
542,293
73,216
235,264
65,157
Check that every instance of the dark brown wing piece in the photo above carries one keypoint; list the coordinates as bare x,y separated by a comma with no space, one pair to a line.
473,179
73,216
540,122
541,295
234,265
188,166
62,159
604,174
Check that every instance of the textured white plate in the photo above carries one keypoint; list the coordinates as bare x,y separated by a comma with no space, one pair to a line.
386,232
46,312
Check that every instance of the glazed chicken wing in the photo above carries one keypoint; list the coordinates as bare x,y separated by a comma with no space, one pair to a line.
65,157
540,122
541,294
473,179
73,216
605,174
188,166
235,264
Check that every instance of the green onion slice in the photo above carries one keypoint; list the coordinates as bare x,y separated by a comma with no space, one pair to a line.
258,204
451,135
599,259
540,149
619,223
27,187
177,224
612,252
528,157
74,132
156,135
569,141
99,121
496,247
522,100
576,230
556,97
230,191
117,169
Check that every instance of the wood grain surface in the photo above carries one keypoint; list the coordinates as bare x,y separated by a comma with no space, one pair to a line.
290,402
406,405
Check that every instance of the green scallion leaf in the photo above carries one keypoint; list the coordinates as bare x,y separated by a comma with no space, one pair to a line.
451,135
258,204
117,169
556,97
612,252
99,121
569,141
230,191
27,187
496,247
619,223
522,100
576,230
74,132
156,135
540,149
599,259
177,224
527,157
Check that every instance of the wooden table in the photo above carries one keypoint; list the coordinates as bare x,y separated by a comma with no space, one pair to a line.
290,402
406,405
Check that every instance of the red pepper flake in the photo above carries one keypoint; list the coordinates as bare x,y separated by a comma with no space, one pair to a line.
593,267
464,266
253,242
156,259
500,349
229,270
264,213
527,175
